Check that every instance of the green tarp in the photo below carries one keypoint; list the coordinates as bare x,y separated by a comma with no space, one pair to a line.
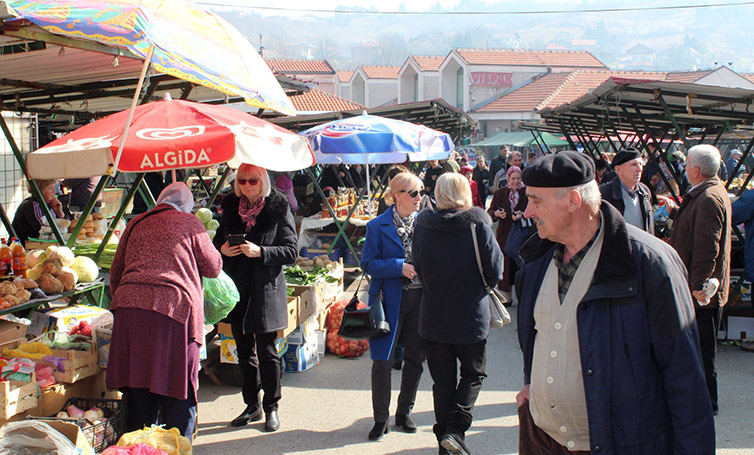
519,139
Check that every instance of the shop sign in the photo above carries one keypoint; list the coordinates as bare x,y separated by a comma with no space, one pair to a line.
491,79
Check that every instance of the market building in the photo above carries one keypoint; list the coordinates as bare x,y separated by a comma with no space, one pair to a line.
374,85
419,79
318,72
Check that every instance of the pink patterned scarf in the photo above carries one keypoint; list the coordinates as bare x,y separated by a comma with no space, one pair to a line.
512,194
249,211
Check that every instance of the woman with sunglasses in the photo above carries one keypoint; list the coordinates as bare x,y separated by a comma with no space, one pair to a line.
256,238
387,259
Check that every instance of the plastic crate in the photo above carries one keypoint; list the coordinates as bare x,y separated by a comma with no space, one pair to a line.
108,431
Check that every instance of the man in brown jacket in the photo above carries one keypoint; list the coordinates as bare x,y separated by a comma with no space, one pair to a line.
701,236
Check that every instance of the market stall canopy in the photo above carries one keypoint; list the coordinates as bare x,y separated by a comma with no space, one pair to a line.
370,139
171,134
519,139
435,114
189,43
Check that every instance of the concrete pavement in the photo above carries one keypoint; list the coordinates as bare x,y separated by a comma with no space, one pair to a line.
327,410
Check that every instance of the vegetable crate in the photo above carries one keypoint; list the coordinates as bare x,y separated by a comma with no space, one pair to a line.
103,433
77,364
312,253
17,397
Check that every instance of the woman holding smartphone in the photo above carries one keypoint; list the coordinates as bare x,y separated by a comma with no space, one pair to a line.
256,238
507,207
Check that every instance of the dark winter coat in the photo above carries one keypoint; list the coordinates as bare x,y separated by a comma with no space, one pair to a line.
454,309
743,212
638,343
260,281
612,192
701,236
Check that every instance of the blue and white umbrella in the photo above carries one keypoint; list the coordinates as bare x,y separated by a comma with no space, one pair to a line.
370,139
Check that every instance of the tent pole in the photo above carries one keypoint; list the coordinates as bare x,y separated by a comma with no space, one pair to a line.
134,101
103,181
118,215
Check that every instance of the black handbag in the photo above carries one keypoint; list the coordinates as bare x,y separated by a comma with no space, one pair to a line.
365,323
518,235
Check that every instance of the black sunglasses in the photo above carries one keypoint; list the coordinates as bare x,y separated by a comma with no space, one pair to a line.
412,193
249,181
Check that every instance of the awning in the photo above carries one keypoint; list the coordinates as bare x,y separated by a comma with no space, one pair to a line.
519,139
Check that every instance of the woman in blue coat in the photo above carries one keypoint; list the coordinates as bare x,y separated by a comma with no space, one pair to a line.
387,258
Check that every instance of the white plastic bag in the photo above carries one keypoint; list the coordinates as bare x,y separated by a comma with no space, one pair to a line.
30,437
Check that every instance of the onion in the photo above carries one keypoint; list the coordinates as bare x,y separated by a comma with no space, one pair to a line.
62,415
75,412
91,416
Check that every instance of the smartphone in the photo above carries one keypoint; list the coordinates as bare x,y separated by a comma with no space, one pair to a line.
236,239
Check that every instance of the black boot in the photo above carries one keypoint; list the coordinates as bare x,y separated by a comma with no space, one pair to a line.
248,415
404,421
455,444
271,422
378,430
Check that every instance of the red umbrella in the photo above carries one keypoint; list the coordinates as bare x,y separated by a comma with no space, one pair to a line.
171,134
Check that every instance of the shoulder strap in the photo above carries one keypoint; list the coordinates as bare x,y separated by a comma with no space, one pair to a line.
478,257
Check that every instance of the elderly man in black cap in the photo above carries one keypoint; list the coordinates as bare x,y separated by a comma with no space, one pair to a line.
606,326
627,194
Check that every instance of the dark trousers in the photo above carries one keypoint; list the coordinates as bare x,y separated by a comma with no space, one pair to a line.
532,440
407,333
144,408
707,320
260,366
454,400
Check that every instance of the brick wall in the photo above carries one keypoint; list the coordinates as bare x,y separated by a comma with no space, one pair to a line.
431,87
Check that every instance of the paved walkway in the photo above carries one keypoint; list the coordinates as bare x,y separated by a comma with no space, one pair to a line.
327,410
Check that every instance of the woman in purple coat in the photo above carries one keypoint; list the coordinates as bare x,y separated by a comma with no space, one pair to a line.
158,309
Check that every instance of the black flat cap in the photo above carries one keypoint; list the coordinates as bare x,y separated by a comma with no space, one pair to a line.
560,170
625,155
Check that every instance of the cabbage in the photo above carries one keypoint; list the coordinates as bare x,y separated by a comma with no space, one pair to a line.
63,253
204,214
86,269
211,234
35,272
212,225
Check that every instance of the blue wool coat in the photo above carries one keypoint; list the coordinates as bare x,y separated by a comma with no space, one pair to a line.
743,212
383,256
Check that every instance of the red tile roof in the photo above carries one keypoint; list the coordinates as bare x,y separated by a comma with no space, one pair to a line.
581,82
686,76
300,66
428,63
317,100
381,72
528,57
344,76
528,97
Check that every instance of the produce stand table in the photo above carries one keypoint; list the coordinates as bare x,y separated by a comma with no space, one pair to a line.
92,291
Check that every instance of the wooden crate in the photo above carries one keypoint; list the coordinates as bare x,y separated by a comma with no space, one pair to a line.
17,397
77,364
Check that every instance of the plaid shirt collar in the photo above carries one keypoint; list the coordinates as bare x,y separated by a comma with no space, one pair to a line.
567,271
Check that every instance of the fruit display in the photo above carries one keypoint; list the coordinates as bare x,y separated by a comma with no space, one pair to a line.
210,224
336,344
738,182
344,200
